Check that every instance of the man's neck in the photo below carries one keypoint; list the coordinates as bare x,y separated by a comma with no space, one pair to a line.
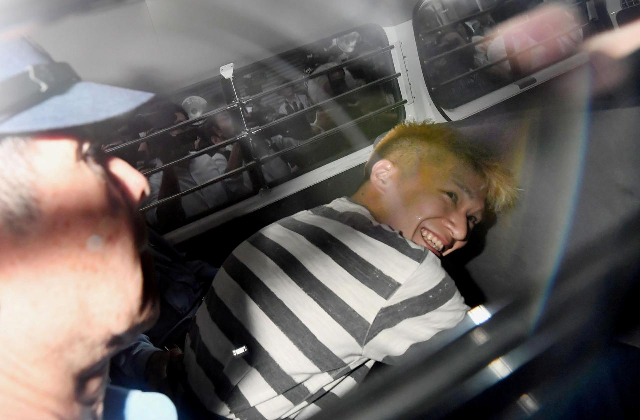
35,387
367,198
27,395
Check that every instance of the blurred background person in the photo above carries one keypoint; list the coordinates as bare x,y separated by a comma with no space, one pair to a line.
179,177
194,106
293,101
528,37
222,126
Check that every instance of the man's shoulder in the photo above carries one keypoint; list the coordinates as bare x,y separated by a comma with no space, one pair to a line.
347,222
339,205
346,207
322,219
341,210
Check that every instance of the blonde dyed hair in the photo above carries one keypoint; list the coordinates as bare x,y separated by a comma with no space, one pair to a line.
411,144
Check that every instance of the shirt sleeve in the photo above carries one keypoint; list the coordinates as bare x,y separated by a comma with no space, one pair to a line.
283,109
204,167
131,362
428,302
419,351
219,162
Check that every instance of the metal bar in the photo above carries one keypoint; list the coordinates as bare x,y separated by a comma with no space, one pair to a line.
321,104
462,47
168,129
335,130
509,56
273,156
320,73
486,38
468,17
249,147
199,187
196,154
483,12
245,100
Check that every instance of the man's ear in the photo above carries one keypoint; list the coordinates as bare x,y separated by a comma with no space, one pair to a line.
383,174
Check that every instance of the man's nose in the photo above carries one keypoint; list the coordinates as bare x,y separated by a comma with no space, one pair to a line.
134,184
457,225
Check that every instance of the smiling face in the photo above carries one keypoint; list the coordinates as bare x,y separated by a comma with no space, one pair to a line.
435,206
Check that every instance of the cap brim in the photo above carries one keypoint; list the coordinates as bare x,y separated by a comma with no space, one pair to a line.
84,103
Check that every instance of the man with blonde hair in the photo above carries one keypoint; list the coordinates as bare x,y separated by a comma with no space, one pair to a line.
299,312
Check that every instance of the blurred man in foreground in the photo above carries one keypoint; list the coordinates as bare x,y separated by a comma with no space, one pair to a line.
299,312
72,289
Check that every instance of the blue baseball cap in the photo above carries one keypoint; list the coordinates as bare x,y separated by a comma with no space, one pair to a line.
38,94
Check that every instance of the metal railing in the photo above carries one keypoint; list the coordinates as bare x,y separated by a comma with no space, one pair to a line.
186,123
260,161
335,130
196,154
328,101
363,56
497,32
236,104
498,5
510,56
464,19
247,133
199,187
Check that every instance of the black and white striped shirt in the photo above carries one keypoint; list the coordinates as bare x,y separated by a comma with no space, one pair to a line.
300,311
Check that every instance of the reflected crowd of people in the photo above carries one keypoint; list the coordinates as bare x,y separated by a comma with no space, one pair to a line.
292,115
467,54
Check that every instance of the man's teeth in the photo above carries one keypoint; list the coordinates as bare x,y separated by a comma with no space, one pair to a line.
432,240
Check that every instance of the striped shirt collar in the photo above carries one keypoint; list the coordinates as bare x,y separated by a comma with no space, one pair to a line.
347,204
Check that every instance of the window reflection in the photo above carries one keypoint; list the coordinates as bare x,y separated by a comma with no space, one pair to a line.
469,48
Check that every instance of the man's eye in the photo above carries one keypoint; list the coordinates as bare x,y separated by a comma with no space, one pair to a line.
453,196
93,155
91,152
